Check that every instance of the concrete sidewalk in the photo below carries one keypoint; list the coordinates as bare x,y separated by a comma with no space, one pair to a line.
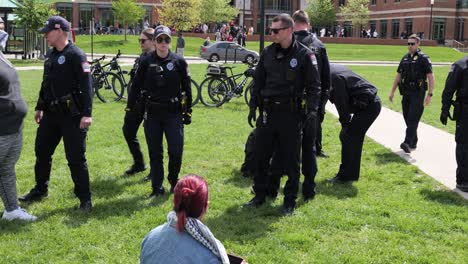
435,154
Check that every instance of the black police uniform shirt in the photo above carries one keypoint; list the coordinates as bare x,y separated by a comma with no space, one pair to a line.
66,72
162,79
414,68
311,41
287,73
457,81
133,72
345,85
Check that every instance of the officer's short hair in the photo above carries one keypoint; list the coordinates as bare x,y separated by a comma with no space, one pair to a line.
300,17
415,37
285,19
148,32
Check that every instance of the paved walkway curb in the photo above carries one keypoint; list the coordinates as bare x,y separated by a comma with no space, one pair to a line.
435,154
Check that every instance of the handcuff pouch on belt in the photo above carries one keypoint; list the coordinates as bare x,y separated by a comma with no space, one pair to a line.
65,105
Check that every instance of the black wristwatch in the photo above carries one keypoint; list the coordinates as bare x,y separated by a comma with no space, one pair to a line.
429,94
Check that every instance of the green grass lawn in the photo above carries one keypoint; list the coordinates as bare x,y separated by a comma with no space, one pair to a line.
109,44
394,214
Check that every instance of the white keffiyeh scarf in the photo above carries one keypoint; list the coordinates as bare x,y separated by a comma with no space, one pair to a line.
200,232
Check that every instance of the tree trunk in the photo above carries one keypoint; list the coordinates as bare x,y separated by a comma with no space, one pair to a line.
125,31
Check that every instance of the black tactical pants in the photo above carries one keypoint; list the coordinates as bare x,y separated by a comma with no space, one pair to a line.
168,124
309,161
248,167
52,128
132,122
461,138
280,129
413,108
352,139
318,136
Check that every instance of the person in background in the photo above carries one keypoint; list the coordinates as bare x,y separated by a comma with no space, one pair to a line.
180,44
13,109
206,42
184,238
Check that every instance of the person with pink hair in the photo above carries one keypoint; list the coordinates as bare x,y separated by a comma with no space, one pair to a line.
184,238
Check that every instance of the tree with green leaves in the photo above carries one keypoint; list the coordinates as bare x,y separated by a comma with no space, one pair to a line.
321,12
356,11
217,11
32,14
127,12
181,14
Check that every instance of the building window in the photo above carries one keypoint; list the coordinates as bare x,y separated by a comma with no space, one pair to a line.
372,28
395,28
341,2
347,29
66,11
397,1
278,5
86,15
383,28
409,26
373,2
439,29
459,29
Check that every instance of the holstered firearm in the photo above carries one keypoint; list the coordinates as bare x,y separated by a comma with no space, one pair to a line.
457,108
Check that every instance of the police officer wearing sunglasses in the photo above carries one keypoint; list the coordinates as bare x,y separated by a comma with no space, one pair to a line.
134,113
163,79
414,77
63,110
286,91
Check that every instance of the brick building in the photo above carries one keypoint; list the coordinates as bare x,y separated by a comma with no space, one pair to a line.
394,18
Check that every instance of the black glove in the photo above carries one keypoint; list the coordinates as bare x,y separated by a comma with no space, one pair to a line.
252,116
443,117
187,118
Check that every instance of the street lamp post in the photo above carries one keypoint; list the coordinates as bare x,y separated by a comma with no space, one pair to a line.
430,21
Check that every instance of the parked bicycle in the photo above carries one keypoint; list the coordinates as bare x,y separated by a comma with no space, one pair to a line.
221,85
114,66
108,86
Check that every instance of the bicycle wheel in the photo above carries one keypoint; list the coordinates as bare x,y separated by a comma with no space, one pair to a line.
248,92
110,87
213,90
195,92
115,84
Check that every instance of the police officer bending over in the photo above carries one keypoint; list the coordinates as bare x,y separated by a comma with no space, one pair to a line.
414,69
63,110
164,81
358,106
457,81
302,34
286,86
134,114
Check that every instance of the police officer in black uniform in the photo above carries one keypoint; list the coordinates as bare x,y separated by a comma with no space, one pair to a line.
134,114
164,81
457,82
301,27
286,86
358,106
414,69
63,110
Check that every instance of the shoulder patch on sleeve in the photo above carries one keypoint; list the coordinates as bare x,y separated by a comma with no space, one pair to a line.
313,58
86,67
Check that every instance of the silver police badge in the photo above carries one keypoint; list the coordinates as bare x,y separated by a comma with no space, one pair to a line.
170,66
61,59
293,63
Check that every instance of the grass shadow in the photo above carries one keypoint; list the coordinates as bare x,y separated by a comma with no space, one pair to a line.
238,180
388,157
106,187
444,197
15,226
340,191
239,223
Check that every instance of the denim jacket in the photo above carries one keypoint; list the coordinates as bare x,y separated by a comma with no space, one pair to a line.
165,244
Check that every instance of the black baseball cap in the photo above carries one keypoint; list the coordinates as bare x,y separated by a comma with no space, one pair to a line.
55,22
161,30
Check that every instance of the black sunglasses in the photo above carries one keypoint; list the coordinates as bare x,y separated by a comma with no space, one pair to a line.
277,30
166,39
142,41
411,43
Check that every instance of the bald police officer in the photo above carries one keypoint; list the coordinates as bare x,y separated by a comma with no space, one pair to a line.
63,110
457,82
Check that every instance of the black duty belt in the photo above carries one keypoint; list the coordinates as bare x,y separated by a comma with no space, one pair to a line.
284,104
157,107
